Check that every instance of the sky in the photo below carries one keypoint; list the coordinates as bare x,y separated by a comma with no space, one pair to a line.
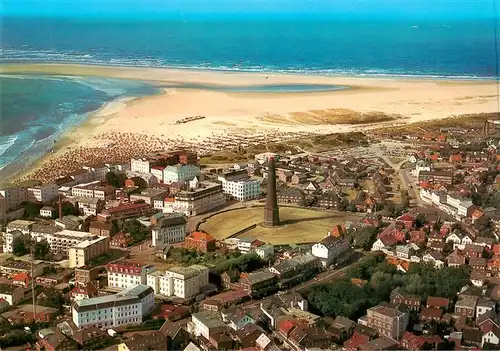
237,8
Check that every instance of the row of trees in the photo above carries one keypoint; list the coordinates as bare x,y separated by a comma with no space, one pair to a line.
32,209
345,298
22,245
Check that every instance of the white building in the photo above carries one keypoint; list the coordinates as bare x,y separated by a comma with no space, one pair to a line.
8,239
201,197
265,252
98,172
13,230
140,165
126,307
169,230
123,275
183,282
157,171
329,248
244,245
82,253
14,196
43,193
60,242
179,173
47,212
206,323
241,190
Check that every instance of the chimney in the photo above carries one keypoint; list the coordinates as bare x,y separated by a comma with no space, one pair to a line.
60,207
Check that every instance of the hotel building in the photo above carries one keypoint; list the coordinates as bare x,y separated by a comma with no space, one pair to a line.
180,173
61,241
169,230
126,307
43,193
201,197
183,282
123,274
82,253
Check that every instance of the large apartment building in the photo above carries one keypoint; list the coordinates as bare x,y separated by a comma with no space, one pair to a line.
43,193
183,282
13,230
126,307
169,230
82,253
201,197
94,190
180,173
238,185
60,242
124,274
387,321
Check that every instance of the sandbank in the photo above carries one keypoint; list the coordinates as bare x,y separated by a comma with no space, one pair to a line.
402,100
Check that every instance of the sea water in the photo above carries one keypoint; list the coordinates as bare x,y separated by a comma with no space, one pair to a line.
36,110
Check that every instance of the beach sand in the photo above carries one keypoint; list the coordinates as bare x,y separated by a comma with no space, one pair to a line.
403,100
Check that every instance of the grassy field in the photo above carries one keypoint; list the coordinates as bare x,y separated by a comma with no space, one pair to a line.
299,225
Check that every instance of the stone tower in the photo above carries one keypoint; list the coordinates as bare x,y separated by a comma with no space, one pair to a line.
271,210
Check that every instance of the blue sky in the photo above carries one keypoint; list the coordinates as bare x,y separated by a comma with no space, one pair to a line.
214,8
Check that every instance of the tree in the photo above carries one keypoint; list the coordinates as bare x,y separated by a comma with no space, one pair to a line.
42,249
20,246
116,179
31,209
366,237
136,229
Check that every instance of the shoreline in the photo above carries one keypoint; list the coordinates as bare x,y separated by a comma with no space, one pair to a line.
15,67
152,119
209,76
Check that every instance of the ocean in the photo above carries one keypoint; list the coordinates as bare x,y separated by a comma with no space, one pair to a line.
35,110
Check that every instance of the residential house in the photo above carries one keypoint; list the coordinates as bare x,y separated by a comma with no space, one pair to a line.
199,241
466,306
412,342
435,258
229,277
259,283
329,248
207,324
289,195
483,306
399,297
456,259
387,321
429,314
490,335
101,228
121,240
438,302
472,250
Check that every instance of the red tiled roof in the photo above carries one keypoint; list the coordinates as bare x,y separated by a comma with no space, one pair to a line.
200,236
356,340
431,312
437,302
286,326
412,341
125,268
22,277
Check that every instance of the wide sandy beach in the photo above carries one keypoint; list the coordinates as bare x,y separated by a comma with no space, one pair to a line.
408,100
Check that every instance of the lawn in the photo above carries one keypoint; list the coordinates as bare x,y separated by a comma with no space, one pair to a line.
299,225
